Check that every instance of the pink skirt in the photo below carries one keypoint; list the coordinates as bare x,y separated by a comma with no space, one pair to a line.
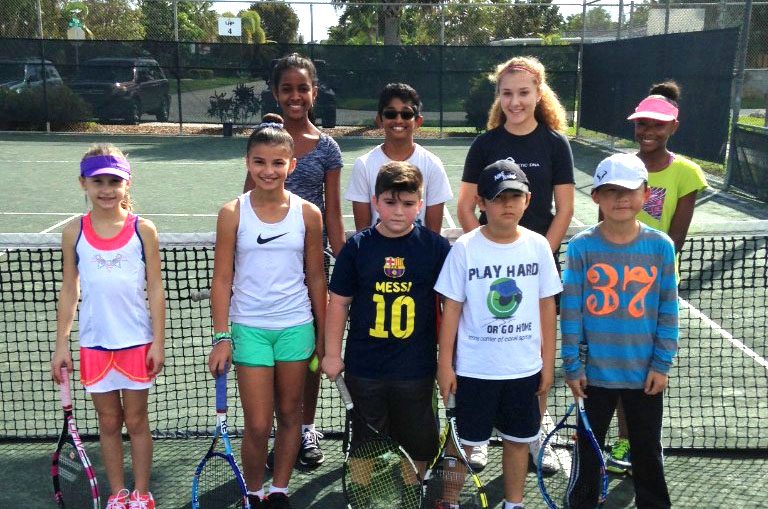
96,364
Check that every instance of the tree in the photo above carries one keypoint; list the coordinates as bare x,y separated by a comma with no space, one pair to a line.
598,19
197,21
115,19
476,22
357,25
252,31
279,20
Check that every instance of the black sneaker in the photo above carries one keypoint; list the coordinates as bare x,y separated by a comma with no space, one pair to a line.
270,464
256,502
310,454
278,501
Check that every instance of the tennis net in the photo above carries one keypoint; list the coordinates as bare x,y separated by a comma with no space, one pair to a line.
716,399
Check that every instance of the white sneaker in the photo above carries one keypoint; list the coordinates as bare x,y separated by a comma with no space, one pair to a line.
549,462
478,459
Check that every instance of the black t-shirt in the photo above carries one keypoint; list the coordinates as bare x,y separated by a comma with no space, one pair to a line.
543,154
392,331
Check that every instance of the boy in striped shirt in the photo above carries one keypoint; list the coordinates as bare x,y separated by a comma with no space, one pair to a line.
620,302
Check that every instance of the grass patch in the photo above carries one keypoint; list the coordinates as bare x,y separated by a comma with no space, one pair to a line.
755,121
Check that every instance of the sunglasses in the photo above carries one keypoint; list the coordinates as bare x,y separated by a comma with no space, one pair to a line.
405,114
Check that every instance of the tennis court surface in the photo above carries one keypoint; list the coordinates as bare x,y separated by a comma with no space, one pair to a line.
716,406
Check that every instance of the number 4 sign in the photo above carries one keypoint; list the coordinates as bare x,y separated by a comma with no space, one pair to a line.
230,27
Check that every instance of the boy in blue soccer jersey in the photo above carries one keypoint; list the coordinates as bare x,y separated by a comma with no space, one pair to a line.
620,300
497,334
383,280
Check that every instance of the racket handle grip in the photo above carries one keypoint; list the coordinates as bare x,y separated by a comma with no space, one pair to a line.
66,397
344,392
221,392
451,403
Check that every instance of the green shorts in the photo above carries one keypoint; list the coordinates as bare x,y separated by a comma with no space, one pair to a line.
254,347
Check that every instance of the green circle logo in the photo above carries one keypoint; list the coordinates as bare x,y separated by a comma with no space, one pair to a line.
504,298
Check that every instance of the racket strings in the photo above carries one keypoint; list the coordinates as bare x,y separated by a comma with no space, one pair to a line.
450,482
377,475
217,486
560,484
74,481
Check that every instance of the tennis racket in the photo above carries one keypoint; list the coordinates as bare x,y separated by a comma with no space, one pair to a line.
449,478
572,445
74,480
377,473
218,482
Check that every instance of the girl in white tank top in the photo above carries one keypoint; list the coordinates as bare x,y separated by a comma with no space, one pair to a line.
113,256
268,282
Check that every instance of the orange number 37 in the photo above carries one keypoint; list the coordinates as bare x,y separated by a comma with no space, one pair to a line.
603,278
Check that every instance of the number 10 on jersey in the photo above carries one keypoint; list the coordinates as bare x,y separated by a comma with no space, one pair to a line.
403,305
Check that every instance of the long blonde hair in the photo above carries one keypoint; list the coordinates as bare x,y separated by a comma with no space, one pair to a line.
548,110
107,149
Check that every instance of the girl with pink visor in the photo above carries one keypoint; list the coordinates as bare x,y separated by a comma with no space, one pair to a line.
112,255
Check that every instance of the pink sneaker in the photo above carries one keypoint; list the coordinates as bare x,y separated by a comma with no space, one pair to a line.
119,501
141,501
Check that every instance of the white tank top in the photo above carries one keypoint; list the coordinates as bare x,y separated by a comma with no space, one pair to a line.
113,309
268,289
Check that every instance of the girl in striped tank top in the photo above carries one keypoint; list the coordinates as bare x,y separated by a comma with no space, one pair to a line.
112,255
268,283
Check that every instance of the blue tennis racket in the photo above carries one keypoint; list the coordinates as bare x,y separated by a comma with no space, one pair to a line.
218,482
573,445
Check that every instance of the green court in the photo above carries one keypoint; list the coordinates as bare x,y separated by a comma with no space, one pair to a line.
715,408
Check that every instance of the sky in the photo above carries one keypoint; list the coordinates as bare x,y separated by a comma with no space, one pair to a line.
314,25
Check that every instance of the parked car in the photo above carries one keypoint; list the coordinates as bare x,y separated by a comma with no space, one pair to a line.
23,73
325,104
124,88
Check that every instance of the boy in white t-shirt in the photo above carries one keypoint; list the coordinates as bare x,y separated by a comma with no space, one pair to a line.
399,114
499,325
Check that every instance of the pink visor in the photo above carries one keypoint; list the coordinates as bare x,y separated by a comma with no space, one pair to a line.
655,107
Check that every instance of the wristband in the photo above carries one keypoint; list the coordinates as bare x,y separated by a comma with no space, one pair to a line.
221,336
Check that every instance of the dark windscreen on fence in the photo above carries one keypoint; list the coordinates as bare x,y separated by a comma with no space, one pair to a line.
618,74
452,80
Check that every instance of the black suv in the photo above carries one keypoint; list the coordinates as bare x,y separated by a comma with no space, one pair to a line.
325,104
23,73
124,88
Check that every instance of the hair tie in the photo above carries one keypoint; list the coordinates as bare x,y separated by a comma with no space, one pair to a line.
273,125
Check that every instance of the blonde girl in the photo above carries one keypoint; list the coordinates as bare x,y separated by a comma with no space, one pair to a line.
113,256
525,124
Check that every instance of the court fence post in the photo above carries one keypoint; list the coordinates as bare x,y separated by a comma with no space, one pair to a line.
738,84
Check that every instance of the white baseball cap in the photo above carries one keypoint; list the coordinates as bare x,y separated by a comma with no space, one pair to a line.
623,170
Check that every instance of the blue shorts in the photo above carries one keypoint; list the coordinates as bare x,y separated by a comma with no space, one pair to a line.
254,347
509,406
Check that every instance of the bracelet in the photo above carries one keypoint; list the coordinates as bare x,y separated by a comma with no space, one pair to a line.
221,336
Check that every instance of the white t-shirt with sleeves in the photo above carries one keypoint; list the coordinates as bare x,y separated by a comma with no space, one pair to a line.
499,335
362,183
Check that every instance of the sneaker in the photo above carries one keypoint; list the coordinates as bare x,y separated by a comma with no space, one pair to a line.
256,502
478,459
119,501
619,461
442,504
310,454
549,463
141,501
278,501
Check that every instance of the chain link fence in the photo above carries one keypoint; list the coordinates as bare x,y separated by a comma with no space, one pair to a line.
429,23
188,33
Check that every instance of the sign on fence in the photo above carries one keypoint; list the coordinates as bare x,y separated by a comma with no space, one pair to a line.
230,27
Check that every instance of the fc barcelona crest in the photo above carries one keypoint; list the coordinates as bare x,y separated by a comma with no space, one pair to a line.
394,266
